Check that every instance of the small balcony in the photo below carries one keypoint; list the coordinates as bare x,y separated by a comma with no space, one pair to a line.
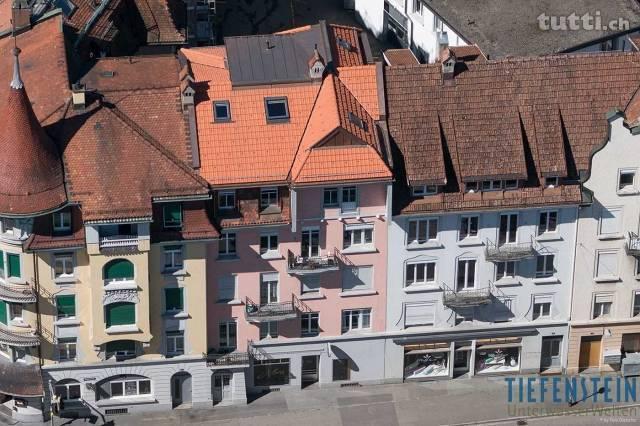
509,251
20,339
17,293
118,241
301,265
280,311
633,244
227,359
466,298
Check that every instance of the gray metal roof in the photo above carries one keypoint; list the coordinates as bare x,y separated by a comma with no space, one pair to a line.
275,58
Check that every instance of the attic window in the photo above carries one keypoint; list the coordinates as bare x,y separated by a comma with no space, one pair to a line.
357,121
108,74
471,186
551,182
422,190
345,44
510,184
277,109
221,111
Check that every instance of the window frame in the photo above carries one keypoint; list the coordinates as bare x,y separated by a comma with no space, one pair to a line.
427,220
360,314
67,343
415,265
181,298
310,331
468,227
333,191
269,249
171,224
508,232
227,195
466,261
226,325
424,190
59,222
64,315
547,214
224,242
544,300
268,330
172,337
634,306
632,186
505,273
277,100
234,280
220,119
607,277
67,386
68,259
351,233
129,380
174,252
545,273
599,307
269,191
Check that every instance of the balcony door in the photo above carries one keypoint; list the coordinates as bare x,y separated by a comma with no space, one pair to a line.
310,243
508,228
268,288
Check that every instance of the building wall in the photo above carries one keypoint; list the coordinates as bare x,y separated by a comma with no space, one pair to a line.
371,13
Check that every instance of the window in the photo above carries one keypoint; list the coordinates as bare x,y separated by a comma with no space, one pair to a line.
508,228
120,349
418,314
67,390
423,273
310,284
268,329
227,245
418,7
544,266
551,182
357,278
15,311
510,184
63,265
491,185
221,111
505,270
4,312
354,119
330,198
174,299
268,243
356,319
422,190
504,311
121,313
310,243
227,335
66,349
268,288
466,274
227,200
357,235
468,227
626,180
636,304
61,222
173,260
602,304
310,324
341,370
130,387
2,269
349,198
471,186
118,270
271,372
268,197
423,230
277,109
227,288
437,23
541,307
610,221
13,263
175,343
548,222
172,215
607,265
66,306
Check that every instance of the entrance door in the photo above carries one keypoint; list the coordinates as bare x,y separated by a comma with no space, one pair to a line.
221,387
310,370
590,348
461,359
550,357
181,390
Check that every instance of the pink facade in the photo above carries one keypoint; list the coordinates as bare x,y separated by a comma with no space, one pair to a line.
330,300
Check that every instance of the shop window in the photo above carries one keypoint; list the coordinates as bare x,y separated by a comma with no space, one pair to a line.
425,361
68,390
130,387
341,370
497,358
271,372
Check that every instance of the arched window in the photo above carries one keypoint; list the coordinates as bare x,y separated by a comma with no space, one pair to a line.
68,389
118,270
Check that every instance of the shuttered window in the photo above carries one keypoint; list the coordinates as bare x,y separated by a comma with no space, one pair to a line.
174,299
66,306
1,264
357,278
13,261
121,314
226,288
118,270
419,314
121,346
3,312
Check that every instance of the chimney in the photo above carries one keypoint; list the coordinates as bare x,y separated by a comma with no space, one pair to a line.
187,93
20,15
448,60
316,65
79,96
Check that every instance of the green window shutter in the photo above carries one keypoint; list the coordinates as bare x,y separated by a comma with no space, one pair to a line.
121,345
119,269
172,215
1,264
122,313
3,312
14,265
174,299
66,305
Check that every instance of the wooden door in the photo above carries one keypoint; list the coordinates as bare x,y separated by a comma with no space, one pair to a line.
590,349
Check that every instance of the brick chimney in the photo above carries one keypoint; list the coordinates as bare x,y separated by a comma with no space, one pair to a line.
448,61
21,15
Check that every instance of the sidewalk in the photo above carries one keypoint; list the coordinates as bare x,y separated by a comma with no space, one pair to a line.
462,401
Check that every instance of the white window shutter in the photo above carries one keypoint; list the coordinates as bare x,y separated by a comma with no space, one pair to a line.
419,314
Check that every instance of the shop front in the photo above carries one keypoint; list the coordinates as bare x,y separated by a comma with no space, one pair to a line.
497,356
427,361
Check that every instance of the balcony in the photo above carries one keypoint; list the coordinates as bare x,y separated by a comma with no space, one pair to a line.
279,311
21,339
17,293
227,359
509,251
118,241
300,265
633,244
466,298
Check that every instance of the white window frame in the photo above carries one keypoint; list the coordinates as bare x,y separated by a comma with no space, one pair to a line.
541,300
269,249
124,396
227,339
508,235
424,190
349,205
505,275
310,332
492,185
271,329
545,273
415,265
547,220
16,310
66,258
332,190
357,236
466,273
270,280
66,386
551,181
227,199
67,343
627,188
419,224
172,339
360,313
599,307
173,251
225,237
269,191
59,221
469,219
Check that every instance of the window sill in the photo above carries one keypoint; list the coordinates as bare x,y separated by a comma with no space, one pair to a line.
356,332
356,293
507,282
126,400
123,285
176,315
65,280
470,242
312,296
303,335
272,255
360,250
547,280
118,329
16,280
18,323
175,272
606,279
67,322
628,191
429,245
234,302
603,237
421,288
227,258
549,236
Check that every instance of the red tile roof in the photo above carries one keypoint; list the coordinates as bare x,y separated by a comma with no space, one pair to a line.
164,20
400,57
104,28
43,238
197,224
346,46
5,15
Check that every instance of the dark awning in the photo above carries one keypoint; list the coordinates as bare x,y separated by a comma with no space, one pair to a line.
466,335
20,339
20,380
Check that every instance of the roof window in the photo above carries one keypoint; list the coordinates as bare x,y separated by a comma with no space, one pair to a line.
357,121
221,111
277,109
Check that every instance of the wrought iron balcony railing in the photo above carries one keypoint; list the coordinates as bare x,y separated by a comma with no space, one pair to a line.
279,311
633,244
509,251
17,293
466,298
302,265
227,359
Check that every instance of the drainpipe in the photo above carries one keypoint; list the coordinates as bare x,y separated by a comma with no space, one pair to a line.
565,362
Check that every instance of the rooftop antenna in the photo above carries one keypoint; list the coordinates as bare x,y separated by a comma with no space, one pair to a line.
16,82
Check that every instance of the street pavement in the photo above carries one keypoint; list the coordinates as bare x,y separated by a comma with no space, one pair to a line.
476,401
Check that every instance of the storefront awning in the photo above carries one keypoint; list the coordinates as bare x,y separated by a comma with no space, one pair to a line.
499,346
20,380
427,351
18,339
467,335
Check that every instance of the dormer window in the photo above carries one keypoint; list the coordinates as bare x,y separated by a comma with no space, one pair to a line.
357,121
491,185
626,180
551,182
268,197
510,184
62,222
471,187
227,200
172,215
277,109
221,111
423,190
344,44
